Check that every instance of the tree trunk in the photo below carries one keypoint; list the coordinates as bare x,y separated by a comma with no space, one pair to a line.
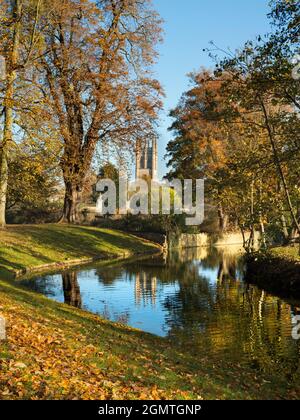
263,241
11,75
250,247
3,183
71,201
244,236
263,234
285,230
279,169
294,235
223,219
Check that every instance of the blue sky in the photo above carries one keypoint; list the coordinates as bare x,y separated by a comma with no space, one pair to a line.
189,27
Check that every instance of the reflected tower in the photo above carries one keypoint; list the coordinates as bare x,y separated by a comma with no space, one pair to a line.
145,288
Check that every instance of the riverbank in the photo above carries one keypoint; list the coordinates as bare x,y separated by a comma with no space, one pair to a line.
277,271
54,351
35,248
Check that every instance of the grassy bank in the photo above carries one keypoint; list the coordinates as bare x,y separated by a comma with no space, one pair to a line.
277,271
54,351
25,248
290,253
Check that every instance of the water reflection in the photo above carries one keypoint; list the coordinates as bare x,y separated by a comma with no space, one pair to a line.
71,289
145,288
196,298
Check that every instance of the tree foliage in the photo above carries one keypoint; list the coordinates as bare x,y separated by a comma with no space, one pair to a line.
83,68
242,124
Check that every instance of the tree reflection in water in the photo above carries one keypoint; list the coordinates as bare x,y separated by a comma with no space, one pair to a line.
222,315
197,298
71,289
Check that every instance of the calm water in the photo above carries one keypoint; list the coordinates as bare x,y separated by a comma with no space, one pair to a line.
196,298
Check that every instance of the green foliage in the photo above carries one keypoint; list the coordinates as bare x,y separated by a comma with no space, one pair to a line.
34,188
239,128
288,252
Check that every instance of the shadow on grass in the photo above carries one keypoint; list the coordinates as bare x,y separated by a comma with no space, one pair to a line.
22,253
46,244
84,240
6,275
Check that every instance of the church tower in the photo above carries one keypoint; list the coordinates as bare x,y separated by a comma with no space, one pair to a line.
146,159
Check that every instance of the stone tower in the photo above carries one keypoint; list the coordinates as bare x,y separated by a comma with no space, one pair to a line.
146,159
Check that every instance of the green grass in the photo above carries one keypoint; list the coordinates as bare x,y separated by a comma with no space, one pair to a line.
29,247
54,351
289,253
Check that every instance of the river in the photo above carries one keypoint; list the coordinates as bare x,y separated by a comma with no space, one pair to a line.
197,298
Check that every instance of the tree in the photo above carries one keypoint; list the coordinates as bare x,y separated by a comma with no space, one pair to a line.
200,147
262,83
11,74
250,108
97,72
34,184
19,47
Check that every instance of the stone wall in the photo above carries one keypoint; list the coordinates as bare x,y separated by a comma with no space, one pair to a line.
233,239
204,239
193,241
